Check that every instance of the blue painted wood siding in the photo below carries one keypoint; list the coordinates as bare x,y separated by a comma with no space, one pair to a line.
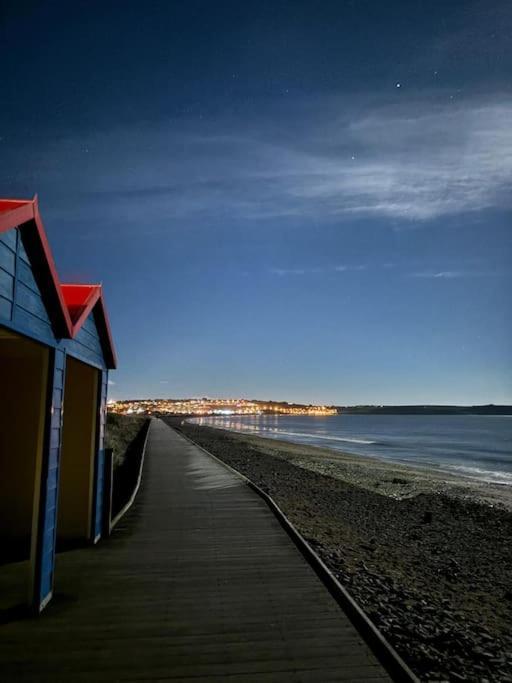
21,303
50,482
8,245
100,461
86,346
22,307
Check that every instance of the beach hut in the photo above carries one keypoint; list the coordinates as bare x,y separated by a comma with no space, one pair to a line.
55,352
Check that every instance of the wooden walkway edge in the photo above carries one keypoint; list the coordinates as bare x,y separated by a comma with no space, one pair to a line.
384,651
198,582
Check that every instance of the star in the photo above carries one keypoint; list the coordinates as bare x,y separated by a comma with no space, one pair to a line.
398,85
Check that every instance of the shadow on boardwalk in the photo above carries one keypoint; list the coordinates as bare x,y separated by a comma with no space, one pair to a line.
198,582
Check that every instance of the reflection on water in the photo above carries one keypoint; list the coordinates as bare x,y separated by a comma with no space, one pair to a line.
473,445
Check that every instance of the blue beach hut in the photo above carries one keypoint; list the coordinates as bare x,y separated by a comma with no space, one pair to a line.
55,352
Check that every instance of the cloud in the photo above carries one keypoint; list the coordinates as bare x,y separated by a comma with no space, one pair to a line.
411,160
111,383
386,266
443,274
453,274
164,381
311,271
343,269
291,271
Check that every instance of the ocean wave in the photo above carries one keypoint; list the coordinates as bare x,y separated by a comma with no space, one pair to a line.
327,438
491,476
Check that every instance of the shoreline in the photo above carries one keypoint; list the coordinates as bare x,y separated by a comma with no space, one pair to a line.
396,479
429,561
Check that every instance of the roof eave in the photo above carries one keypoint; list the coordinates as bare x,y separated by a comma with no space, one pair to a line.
15,213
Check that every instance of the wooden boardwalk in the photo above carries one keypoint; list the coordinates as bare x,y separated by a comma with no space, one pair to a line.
199,582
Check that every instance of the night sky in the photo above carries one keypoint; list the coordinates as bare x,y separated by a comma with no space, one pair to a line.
292,200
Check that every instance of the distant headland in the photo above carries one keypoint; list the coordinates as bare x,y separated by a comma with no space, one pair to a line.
242,406
488,409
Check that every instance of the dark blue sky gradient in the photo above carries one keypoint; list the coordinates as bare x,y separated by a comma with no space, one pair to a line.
300,201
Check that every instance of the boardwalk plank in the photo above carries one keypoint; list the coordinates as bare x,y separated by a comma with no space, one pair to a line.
199,582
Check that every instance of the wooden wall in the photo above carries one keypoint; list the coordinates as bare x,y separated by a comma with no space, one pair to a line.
21,303
100,462
50,485
23,309
8,242
22,306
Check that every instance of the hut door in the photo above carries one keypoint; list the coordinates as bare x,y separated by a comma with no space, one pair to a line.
78,455
23,404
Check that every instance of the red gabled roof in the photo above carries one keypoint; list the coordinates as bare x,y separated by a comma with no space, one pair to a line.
79,300
69,304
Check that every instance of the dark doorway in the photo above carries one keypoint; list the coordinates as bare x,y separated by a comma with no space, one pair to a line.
77,461
23,405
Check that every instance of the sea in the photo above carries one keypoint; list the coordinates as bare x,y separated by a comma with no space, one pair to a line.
474,446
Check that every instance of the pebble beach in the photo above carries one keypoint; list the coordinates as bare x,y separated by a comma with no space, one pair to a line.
426,555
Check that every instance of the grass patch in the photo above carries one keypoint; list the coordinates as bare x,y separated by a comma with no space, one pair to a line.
120,433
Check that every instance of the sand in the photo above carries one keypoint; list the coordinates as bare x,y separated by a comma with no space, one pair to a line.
427,555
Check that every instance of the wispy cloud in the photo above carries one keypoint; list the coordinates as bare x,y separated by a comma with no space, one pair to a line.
413,160
312,271
436,274
292,271
442,274
342,269
453,274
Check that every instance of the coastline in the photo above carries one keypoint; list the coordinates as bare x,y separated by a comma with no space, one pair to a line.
386,477
426,555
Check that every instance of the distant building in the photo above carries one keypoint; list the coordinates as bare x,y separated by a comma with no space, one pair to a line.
217,406
55,353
